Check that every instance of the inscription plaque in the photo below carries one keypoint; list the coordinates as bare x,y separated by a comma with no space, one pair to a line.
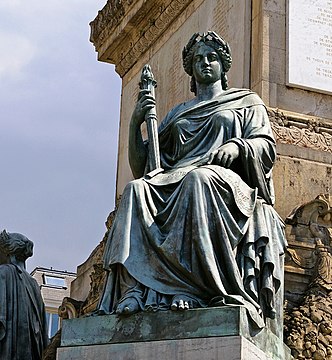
309,48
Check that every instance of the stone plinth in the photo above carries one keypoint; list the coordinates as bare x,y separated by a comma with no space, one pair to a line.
214,333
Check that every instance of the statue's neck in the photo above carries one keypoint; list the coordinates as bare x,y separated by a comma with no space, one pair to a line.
208,91
15,261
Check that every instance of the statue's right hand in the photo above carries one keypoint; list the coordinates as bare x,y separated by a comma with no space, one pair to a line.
144,103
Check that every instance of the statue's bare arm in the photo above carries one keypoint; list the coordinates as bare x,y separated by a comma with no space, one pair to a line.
137,151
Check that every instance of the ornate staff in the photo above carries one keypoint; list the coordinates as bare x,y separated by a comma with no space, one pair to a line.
149,83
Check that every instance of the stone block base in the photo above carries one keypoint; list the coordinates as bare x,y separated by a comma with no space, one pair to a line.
212,333
224,348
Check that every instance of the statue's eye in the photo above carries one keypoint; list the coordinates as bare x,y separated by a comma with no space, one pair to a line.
213,57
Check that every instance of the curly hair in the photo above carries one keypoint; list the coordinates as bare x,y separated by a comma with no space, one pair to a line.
16,244
218,44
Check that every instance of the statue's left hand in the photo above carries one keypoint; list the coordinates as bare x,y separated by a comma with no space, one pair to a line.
225,155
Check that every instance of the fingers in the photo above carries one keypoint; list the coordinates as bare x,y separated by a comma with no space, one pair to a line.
144,104
148,102
224,159
226,155
144,93
212,156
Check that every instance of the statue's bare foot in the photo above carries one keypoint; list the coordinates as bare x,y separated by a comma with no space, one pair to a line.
127,307
183,302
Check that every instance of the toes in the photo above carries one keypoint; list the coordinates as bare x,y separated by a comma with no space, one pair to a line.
174,306
181,305
127,310
119,309
127,307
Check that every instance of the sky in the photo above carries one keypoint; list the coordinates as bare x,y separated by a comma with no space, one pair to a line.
59,115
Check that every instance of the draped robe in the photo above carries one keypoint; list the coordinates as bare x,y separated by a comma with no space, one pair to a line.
198,229
23,327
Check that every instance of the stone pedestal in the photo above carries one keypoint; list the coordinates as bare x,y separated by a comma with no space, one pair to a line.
215,333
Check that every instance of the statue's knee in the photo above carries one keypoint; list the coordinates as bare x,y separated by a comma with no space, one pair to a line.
134,185
197,176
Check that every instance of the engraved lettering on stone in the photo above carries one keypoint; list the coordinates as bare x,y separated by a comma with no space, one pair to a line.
310,44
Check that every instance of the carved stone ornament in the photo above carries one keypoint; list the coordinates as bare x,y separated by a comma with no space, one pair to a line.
70,308
132,27
311,222
308,329
307,132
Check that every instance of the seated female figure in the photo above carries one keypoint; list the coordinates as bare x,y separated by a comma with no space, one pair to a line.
204,231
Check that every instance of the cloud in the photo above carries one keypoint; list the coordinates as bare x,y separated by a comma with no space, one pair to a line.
16,52
58,139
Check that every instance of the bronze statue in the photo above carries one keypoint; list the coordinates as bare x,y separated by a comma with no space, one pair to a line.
203,232
23,328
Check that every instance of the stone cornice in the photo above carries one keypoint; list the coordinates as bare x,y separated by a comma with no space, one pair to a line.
107,19
124,29
304,131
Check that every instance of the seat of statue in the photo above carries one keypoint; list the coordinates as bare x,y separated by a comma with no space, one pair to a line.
198,332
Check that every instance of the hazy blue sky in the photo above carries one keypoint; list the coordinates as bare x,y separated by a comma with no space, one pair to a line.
59,125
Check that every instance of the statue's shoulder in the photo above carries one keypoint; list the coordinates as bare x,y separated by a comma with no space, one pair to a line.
247,96
7,270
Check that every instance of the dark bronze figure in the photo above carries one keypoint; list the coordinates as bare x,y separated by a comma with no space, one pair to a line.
23,328
203,232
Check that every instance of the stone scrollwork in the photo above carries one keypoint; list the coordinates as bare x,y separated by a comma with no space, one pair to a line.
70,308
305,132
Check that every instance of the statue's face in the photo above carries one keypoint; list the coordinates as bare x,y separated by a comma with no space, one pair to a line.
207,67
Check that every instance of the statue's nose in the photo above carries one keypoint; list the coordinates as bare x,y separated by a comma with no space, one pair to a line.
205,61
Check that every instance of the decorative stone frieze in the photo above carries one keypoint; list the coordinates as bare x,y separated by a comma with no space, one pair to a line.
302,131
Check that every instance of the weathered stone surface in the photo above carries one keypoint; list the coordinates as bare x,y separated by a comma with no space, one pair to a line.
308,317
89,283
309,225
225,348
152,328
302,131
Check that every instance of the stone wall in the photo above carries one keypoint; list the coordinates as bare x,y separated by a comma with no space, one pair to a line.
269,63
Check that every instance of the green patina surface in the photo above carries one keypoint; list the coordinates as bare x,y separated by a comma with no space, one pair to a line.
168,325
155,326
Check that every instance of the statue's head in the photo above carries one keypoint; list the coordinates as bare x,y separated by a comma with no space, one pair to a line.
214,41
15,244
